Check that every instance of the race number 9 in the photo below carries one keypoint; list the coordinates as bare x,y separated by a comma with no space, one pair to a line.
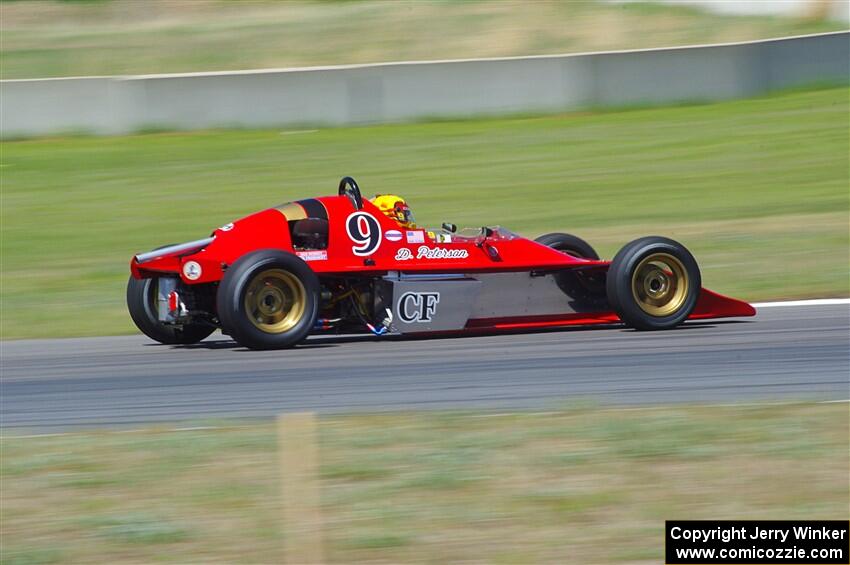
365,231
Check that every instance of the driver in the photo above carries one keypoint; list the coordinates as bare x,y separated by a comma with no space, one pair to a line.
396,208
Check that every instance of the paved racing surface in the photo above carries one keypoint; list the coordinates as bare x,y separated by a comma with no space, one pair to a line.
785,353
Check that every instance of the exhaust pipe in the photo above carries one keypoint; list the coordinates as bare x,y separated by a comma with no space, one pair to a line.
173,249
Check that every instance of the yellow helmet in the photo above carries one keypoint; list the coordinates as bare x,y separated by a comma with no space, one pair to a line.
396,208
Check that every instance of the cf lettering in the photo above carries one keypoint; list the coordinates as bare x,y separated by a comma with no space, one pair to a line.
416,307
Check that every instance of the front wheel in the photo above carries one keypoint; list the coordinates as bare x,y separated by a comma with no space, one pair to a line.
586,289
653,283
268,299
141,302
569,244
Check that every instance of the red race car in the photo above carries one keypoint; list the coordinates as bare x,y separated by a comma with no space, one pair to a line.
345,264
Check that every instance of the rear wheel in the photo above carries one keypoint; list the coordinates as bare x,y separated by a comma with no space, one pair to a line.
141,302
653,283
268,300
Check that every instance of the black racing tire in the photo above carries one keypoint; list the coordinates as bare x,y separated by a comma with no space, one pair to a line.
653,283
268,299
585,289
568,243
141,300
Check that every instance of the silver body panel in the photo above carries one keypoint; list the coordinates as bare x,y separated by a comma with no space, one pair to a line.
428,303
431,305
505,295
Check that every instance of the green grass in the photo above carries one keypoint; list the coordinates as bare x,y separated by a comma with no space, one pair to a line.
758,189
586,485
41,39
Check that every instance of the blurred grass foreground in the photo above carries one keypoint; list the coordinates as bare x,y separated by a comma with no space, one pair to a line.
583,485
757,189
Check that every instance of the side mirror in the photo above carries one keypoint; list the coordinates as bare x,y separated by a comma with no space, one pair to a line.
451,228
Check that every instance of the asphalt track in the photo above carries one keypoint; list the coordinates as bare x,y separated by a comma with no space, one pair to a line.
785,353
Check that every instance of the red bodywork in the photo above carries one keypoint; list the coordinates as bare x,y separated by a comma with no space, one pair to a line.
500,251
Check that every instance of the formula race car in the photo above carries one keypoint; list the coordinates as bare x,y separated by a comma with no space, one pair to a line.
342,264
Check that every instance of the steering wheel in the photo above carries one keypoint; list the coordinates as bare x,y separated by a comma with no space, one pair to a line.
348,187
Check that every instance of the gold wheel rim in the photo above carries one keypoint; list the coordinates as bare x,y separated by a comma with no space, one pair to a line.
660,284
275,301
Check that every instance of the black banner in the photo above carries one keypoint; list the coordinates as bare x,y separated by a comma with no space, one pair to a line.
763,542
